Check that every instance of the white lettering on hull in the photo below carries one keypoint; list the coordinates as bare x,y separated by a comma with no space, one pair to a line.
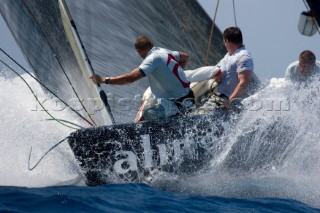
130,159
147,152
163,154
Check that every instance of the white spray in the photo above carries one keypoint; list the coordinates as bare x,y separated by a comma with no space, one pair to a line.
25,125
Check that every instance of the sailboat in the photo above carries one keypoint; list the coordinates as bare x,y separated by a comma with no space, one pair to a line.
65,41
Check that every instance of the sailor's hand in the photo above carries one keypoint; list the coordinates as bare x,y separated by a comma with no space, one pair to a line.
97,79
218,75
227,106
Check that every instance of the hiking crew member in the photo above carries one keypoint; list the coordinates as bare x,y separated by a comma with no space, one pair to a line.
304,68
235,75
164,70
236,67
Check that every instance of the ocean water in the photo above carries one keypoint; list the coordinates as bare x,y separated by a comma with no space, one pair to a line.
133,198
270,162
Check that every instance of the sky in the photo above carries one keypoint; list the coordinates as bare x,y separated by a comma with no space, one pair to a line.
269,28
270,31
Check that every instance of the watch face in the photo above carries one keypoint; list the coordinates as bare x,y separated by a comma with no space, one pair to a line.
107,80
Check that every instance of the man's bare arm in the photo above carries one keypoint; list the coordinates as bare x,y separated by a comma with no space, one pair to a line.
128,78
244,80
184,59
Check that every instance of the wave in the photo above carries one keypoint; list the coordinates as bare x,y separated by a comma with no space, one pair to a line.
271,151
26,125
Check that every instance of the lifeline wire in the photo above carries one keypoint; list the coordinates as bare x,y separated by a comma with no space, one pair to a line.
65,121
36,96
41,85
59,63
44,155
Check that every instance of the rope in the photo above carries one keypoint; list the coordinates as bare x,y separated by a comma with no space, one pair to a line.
41,85
44,155
234,13
181,27
60,64
35,95
65,121
211,33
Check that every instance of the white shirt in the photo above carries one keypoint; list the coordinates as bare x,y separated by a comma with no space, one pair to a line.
293,73
231,66
166,78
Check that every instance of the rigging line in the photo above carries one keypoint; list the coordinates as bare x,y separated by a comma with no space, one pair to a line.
316,23
63,70
65,121
211,33
35,95
234,14
12,59
181,27
44,155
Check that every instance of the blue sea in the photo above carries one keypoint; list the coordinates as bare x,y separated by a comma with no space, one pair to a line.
270,162
133,198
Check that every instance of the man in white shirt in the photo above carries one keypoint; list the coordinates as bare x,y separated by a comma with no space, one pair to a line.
235,75
236,67
164,70
304,68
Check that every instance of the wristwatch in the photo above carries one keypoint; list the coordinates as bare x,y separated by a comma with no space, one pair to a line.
106,80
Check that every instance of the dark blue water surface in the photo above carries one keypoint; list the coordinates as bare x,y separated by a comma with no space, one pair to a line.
132,198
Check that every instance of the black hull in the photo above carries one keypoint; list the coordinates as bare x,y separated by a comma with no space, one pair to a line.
128,152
